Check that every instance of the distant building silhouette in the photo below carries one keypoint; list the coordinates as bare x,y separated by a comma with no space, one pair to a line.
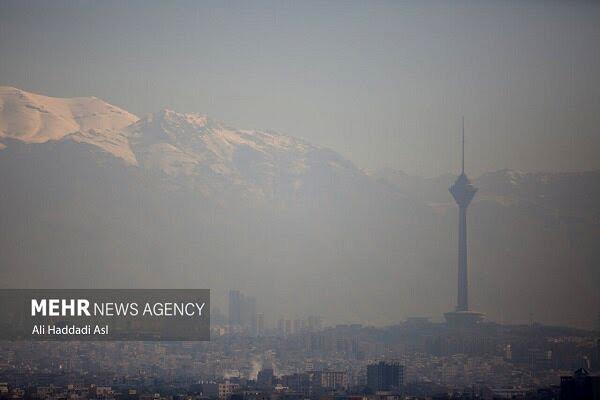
260,324
331,379
242,313
280,327
580,386
314,323
235,307
265,378
298,383
385,376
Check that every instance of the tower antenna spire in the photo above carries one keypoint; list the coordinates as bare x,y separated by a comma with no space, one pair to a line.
463,145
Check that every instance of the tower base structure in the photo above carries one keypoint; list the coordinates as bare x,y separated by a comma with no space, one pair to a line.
463,319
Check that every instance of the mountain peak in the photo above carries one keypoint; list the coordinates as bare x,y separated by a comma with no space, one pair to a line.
181,144
167,115
34,118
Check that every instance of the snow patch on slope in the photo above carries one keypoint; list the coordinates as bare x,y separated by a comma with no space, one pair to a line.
33,118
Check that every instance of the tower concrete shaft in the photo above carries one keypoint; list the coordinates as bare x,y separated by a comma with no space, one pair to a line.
462,303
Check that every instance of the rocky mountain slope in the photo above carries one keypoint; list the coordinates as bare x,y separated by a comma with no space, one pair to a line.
218,159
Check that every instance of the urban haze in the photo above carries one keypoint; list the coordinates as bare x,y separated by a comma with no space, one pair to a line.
387,200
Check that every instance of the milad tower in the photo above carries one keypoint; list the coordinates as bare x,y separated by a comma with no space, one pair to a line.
463,192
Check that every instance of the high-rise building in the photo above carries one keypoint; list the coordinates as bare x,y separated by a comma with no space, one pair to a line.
580,386
235,308
299,325
242,313
385,376
463,192
331,379
280,327
297,383
265,378
314,323
248,315
260,324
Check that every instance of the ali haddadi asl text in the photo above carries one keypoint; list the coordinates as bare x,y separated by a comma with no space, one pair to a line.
70,330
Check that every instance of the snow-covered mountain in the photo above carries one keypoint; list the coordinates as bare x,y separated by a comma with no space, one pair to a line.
33,118
218,158
189,149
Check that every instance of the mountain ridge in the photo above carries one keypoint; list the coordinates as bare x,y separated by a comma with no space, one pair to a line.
98,123
175,144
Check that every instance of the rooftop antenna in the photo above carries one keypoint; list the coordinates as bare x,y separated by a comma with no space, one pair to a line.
463,145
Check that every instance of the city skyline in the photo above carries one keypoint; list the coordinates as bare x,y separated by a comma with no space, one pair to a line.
284,200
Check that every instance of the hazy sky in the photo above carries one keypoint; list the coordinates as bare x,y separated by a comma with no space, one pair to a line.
384,83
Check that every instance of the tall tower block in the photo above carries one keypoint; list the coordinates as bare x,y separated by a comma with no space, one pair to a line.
463,192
